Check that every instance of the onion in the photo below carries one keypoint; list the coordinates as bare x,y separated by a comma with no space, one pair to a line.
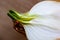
46,27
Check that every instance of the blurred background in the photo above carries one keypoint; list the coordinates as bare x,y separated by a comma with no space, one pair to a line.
6,25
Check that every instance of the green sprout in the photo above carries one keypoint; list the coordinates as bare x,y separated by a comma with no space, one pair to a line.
23,18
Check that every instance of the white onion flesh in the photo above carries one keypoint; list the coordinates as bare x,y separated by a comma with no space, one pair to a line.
47,27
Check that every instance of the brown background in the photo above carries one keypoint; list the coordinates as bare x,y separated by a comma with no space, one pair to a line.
6,26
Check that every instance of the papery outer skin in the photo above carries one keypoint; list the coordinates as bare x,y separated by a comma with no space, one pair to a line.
47,27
